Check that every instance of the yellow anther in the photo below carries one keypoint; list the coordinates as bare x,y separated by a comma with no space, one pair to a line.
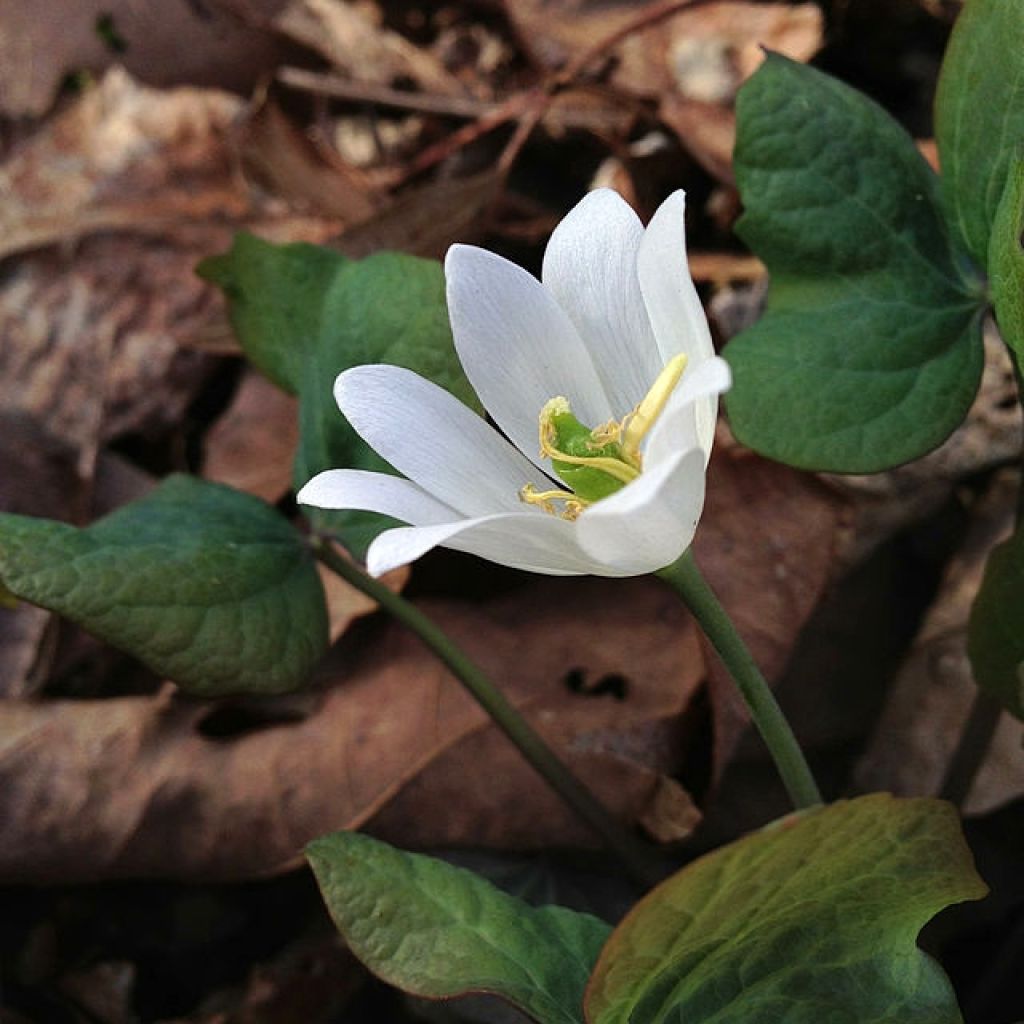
607,433
616,469
574,505
636,425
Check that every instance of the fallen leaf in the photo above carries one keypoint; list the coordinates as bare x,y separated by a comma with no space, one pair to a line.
707,53
169,43
767,542
931,697
251,447
300,171
425,221
351,39
704,57
133,787
692,63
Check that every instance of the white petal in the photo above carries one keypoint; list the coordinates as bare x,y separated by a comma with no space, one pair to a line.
517,346
532,541
675,429
672,302
650,522
432,438
360,490
590,267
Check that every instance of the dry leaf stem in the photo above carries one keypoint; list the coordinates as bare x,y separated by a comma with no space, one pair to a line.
635,856
688,582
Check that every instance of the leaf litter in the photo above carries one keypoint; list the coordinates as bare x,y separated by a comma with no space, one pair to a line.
113,353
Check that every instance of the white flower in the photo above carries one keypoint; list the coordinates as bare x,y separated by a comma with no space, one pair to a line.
616,310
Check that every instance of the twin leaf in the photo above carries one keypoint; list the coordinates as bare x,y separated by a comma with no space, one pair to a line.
870,353
813,917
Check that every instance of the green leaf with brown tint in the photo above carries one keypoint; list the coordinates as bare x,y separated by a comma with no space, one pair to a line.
811,919
440,931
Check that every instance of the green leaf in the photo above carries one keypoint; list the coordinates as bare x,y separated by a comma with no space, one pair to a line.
304,313
979,116
869,352
1006,260
995,633
207,586
811,919
440,931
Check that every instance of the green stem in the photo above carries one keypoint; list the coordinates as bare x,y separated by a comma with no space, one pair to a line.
688,582
634,854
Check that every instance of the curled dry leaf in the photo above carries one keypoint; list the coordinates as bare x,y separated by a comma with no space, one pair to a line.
133,786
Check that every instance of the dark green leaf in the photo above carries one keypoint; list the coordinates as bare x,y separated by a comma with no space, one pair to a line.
1006,260
303,314
205,585
995,635
869,353
979,116
440,931
812,919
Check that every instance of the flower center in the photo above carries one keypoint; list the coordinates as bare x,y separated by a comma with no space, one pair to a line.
596,462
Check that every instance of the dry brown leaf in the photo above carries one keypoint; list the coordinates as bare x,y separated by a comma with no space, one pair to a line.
134,159
252,446
132,787
427,220
168,43
931,697
295,168
692,63
707,53
767,543
348,36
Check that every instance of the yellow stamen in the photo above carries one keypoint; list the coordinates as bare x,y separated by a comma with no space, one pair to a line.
549,436
574,505
636,425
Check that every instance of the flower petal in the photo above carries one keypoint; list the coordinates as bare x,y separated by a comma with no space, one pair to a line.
672,303
676,429
590,267
360,490
517,346
650,522
429,436
534,542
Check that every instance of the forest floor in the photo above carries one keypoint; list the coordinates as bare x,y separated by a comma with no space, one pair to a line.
135,140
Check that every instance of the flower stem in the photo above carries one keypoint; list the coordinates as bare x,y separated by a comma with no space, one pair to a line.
686,579
635,856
